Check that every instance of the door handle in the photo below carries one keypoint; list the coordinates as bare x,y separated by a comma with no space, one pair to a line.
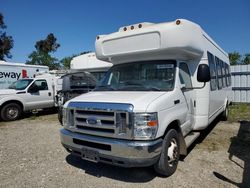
49,93
176,101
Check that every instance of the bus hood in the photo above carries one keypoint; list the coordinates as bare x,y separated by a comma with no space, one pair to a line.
140,100
7,91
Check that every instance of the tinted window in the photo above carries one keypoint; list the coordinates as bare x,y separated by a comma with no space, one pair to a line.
213,82
219,73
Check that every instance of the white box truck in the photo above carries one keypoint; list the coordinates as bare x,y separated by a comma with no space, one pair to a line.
168,82
11,72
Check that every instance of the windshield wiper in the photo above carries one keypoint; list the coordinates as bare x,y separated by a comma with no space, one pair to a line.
154,88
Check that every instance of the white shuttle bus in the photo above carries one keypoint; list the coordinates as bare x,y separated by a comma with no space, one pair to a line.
88,62
168,82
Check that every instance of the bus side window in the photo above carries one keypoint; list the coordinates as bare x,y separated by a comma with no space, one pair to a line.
213,82
219,73
223,73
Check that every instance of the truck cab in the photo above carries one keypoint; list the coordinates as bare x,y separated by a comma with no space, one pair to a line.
26,95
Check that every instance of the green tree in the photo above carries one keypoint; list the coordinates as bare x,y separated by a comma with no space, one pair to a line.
42,55
234,58
65,62
246,59
6,42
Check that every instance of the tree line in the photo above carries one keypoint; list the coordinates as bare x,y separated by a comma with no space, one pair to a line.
42,55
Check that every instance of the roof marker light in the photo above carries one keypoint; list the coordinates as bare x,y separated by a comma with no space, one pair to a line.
140,25
178,22
132,27
97,37
124,29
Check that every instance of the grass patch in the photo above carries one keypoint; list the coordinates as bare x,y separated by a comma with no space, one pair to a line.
239,112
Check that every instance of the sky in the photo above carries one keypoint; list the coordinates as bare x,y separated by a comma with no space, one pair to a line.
76,23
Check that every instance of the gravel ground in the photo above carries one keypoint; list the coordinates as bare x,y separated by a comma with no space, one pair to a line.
31,156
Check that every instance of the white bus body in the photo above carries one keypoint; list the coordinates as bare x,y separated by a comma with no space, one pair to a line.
154,100
11,72
89,62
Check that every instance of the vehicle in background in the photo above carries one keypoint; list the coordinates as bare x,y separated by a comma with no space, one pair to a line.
11,72
89,62
28,94
74,84
85,70
168,82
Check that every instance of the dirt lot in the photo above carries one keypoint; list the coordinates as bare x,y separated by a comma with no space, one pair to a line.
31,156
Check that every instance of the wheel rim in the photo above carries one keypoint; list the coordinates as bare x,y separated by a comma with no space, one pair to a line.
172,152
12,112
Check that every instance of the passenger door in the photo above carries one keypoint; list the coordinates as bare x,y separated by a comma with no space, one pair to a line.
39,95
185,80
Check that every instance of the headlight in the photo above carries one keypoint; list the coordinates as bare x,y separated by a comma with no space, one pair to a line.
68,117
145,125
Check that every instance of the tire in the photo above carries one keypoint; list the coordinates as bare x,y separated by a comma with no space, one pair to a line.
11,112
60,115
169,158
224,115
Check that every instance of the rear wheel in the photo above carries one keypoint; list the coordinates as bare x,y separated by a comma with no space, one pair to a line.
11,112
225,113
170,154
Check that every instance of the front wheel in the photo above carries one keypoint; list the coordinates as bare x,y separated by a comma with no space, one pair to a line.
11,112
170,154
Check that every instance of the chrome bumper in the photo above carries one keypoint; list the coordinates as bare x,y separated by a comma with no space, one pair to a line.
113,151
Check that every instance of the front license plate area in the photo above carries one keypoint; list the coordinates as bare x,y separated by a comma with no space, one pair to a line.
90,155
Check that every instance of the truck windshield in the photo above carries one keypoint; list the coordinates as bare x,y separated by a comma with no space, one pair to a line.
157,75
20,84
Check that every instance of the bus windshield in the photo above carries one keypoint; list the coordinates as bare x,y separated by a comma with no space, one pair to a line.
20,84
156,75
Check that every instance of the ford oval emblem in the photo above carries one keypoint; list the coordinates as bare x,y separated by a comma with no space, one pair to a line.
91,120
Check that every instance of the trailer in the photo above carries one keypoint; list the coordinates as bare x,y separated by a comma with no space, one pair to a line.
11,72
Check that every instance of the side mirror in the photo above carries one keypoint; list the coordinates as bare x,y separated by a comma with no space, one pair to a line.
33,89
203,74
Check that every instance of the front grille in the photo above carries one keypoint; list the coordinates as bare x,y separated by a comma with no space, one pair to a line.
102,119
101,123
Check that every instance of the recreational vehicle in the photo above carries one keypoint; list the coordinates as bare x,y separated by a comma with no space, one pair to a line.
168,82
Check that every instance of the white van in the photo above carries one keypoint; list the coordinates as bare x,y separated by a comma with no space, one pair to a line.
168,82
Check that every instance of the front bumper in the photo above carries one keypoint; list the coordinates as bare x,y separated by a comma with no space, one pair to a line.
124,153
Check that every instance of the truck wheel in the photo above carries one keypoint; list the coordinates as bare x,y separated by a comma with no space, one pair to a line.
170,154
60,115
11,112
224,115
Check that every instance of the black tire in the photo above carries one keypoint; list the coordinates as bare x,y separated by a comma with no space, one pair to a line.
11,112
224,115
167,165
60,114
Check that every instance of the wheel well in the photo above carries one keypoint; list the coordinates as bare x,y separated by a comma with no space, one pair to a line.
173,125
13,101
176,126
